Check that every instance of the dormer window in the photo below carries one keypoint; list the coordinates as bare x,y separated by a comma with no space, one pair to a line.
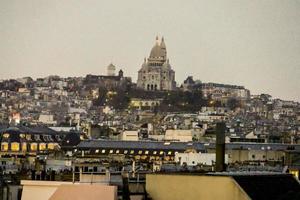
28,137
45,137
37,137
4,146
57,138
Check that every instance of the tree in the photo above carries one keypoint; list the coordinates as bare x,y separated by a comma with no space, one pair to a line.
119,100
233,103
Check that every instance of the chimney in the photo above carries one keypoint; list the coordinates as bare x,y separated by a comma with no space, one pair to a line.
220,146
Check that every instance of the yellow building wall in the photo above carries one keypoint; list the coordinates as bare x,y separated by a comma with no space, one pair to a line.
193,187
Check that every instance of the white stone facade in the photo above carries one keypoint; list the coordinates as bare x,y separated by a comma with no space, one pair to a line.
156,72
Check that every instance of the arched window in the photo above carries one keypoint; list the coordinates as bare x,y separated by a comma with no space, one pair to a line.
51,146
15,146
151,87
24,146
4,146
42,146
33,146
148,87
155,87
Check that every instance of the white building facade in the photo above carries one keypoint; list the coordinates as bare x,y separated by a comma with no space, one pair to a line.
156,72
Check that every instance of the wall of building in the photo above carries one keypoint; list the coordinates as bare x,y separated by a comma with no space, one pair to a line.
129,136
242,155
179,187
192,158
179,135
53,190
39,190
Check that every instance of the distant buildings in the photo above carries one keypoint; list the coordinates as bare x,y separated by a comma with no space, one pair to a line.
156,72
110,81
220,91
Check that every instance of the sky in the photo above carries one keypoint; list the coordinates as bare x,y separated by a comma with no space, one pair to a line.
253,43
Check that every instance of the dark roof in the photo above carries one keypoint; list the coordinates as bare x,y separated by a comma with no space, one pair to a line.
259,146
31,130
275,187
71,139
149,145
3,126
40,134
183,145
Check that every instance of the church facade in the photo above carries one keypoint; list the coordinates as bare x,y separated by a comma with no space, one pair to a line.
156,72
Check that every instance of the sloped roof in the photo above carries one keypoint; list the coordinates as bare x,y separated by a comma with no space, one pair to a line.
140,145
91,192
259,146
275,187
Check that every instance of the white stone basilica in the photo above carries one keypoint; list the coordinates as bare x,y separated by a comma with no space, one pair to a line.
156,72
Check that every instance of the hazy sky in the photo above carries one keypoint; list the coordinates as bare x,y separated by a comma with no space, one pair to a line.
255,43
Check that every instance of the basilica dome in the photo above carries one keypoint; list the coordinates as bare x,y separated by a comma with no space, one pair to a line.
156,52
159,49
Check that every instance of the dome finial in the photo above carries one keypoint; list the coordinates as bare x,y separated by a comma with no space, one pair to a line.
157,40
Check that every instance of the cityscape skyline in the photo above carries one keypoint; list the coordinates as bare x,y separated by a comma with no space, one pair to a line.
133,99
254,44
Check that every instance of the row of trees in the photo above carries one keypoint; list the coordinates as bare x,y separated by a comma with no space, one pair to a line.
172,101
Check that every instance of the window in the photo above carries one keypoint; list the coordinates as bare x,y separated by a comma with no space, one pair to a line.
57,138
154,152
28,137
146,152
37,137
24,146
140,152
42,146
125,151
97,151
117,151
46,138
4,146
161,153
111,151
15,146
33,147
132,152
51,146
253,156
103,151
6,135
170,152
